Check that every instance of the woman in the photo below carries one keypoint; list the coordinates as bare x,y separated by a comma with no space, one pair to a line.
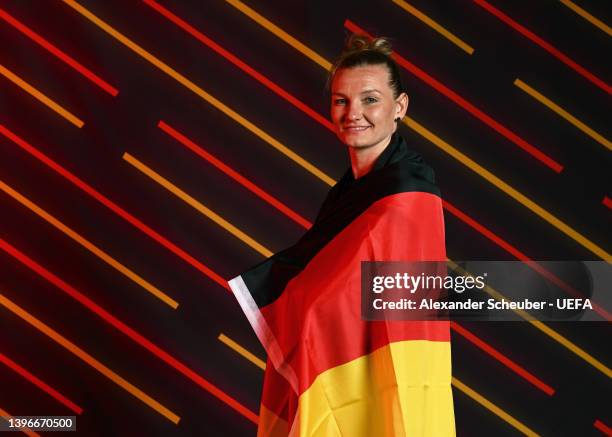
329,371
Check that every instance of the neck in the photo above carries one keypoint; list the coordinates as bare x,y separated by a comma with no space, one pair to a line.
363,158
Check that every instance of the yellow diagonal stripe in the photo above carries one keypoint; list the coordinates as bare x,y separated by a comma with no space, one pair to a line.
435,26
88,245
242,351
510,191
517,196
40,96
421,130
493,408
542,327
200,92
590,18
5,415
80,353
458,384
262,21
571,346
197,205
563,113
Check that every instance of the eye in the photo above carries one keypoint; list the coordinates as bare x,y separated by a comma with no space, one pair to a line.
339,101
370,100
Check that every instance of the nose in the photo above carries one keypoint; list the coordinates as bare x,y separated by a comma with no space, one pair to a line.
354,111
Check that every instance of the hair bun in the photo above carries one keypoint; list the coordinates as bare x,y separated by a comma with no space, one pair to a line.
358,43
362,50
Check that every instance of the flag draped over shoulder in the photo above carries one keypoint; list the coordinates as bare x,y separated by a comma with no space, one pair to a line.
330,373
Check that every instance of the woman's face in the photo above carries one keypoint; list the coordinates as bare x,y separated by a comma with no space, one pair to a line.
363,109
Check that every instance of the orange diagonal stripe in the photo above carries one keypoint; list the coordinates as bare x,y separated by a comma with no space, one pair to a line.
199,91
590,18
88,245
492,407
461,158
21,27
544,328
198,150
563,113
509,190
197,205
455,153
495,354
435,26
458,384
40,96
126,329
242,351
80,353
95,194
5,415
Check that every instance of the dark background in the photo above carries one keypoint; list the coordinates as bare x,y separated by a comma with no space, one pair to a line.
128,123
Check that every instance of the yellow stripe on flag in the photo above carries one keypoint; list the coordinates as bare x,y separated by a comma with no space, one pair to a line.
402,388
270,425
469,392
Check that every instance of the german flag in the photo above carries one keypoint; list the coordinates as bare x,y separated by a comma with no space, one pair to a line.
330,373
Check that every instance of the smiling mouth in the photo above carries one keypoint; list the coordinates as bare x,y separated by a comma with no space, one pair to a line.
355,128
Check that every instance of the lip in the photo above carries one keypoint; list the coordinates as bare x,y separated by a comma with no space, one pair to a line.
355,128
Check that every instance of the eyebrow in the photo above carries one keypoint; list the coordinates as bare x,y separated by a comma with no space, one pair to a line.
363,92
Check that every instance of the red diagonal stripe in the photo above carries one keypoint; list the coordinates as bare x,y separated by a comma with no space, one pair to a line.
452,95
234,175
239,63
484,231
603,427
131,333
520,255
58,53
113,207
545,45
460,330
503,359
40,384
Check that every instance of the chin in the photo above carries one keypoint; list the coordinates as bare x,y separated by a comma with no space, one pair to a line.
352,141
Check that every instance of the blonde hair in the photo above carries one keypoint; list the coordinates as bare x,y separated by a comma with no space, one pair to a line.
360,50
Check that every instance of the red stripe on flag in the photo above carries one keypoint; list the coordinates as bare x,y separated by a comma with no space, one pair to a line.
322,304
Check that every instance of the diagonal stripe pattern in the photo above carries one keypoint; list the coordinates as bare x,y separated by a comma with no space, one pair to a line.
183,34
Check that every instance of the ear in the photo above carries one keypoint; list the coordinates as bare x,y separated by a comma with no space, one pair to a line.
401,104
